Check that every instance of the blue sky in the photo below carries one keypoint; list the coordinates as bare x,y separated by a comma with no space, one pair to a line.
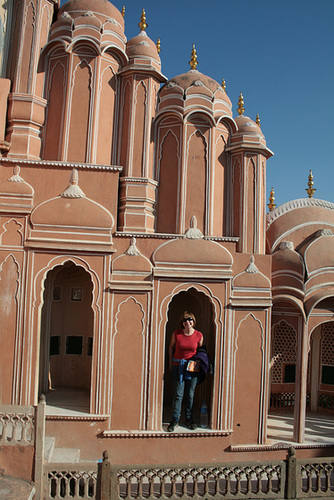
279,54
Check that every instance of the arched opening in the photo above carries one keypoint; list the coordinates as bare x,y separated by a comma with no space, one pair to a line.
320,377
66,345
201,306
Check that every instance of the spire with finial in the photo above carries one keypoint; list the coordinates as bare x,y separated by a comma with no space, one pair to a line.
271,205
311,190
158,45
257,120
143,24
193,61
224,85
123,11
241,108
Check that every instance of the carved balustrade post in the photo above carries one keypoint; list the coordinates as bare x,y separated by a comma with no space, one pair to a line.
39,446
291,474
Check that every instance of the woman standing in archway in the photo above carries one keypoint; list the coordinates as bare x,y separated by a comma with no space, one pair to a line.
183,346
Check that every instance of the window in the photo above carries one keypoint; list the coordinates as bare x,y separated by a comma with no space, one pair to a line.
327,375
54,345
73,345
289,374
76,294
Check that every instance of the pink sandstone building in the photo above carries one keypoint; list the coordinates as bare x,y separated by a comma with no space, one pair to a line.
126,198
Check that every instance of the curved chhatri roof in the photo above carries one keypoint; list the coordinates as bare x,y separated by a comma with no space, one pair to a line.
190,78
102,7
142,45
247,126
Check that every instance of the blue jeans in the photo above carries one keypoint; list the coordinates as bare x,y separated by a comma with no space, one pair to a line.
186,388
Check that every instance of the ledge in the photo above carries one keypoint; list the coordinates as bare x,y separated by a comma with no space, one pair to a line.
77,418
63,164
280,446
164,434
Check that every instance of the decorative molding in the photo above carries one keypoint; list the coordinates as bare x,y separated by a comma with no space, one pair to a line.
132,250
163,434
77,418
73,190
286,245
278,446
251,268
170,236
324,232
193,232
63,164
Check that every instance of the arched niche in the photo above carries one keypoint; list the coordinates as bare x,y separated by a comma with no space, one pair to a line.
320,376
66,337
202,307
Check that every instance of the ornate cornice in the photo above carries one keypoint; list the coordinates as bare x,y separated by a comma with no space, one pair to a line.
167,236
62,164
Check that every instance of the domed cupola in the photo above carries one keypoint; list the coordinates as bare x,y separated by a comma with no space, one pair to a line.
141,50
193,125
249,153
140,82
194,89
84,55
98,20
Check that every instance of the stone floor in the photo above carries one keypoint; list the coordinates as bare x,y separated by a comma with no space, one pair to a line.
319,427
15,489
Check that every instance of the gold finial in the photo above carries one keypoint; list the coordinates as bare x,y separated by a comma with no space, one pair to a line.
143,24
310,191
241,108
224,85
123,11
271,205
193,61
158,45
257,120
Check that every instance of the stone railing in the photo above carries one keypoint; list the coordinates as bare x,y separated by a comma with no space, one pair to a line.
70,481
290,478
17,425
284,400
326,401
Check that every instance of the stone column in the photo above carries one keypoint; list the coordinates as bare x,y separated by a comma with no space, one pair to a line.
301,385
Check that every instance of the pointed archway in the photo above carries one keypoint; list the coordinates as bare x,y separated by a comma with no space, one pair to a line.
200,305
66,345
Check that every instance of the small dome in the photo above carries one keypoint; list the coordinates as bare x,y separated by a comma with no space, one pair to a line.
142,46
99,7
247,126
192,77
194,89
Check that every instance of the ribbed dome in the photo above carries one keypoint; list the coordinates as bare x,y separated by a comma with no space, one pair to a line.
193,76
142,46
247,126
103,7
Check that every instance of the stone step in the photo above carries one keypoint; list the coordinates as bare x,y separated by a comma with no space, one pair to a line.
65,455
49,445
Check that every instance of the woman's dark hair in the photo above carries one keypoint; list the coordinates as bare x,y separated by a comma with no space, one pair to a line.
186,315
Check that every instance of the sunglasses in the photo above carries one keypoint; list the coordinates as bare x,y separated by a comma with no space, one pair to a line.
187,319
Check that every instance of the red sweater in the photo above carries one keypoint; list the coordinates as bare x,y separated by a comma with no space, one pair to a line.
186,345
